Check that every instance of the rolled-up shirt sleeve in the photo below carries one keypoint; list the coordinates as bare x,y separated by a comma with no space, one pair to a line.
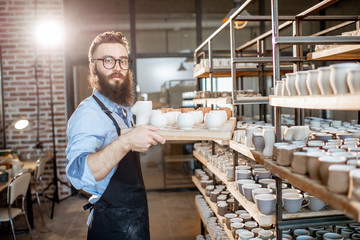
84,138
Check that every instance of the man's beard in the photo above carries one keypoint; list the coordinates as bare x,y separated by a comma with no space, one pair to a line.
121,92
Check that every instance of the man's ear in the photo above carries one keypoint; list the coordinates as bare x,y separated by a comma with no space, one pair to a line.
92,68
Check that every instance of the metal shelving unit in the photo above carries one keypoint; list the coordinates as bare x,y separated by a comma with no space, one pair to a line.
347,50
310,102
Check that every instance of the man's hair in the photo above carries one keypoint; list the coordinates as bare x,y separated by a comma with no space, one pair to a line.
108,37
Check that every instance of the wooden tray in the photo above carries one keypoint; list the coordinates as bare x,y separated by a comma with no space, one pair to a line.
199,132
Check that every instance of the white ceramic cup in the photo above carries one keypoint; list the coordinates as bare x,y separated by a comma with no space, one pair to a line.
214,120
338,178
325,163
315,203
247,190
185,121
293,202
158,119
266,203
171,117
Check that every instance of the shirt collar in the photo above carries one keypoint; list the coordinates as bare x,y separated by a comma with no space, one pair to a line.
112,106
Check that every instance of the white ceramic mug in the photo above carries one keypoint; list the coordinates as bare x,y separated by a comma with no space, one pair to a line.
315,203
266,203
293,202
338,178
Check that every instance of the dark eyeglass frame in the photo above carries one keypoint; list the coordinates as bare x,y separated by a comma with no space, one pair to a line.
115,60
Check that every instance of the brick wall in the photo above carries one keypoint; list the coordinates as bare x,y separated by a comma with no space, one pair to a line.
20,52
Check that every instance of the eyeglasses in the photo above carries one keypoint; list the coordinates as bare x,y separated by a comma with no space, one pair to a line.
110,62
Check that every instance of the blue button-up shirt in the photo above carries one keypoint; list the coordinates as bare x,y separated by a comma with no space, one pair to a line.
90,130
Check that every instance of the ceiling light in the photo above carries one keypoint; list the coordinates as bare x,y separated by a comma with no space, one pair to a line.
181,68
237,24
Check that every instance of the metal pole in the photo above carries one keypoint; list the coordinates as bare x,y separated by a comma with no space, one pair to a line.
133,53
276,63
56,194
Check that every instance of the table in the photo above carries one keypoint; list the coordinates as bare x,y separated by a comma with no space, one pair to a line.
30,164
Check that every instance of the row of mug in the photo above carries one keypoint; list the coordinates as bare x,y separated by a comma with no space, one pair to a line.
213,119
336,79
212,224
336,170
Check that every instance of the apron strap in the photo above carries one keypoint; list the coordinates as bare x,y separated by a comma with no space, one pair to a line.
108,113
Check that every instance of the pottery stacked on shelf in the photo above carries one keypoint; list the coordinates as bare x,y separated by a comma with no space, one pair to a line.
337,79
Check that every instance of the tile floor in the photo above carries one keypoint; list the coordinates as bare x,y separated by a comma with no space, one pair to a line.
173,216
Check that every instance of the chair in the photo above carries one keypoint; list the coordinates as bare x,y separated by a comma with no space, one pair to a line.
37,188
18,186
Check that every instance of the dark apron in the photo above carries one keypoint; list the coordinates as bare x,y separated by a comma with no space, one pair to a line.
122,211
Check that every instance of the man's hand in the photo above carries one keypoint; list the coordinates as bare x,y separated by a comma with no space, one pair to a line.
141,138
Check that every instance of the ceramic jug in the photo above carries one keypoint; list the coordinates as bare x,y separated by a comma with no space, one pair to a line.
142,111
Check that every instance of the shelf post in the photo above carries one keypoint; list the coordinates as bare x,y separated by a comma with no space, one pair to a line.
211,67
297,53
278,215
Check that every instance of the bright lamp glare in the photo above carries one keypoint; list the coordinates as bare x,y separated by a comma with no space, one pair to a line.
21,124
49,33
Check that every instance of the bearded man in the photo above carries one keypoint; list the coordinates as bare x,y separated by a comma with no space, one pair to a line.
99,159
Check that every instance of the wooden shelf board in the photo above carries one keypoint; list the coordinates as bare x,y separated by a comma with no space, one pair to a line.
221,100
250,153
337,201
225,72
218,174
199,101
179,158
199,132
204,222
250,206
251,100
201,158
228,100
212,206
349,102
344,52
222,142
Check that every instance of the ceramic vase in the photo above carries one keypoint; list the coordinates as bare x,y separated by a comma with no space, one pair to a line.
269,139
353,80
324,81
338,76
290,84
258,141
312,82
300,83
